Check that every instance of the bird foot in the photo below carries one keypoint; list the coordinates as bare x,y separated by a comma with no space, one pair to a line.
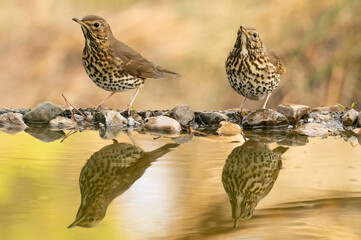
127,109
99,107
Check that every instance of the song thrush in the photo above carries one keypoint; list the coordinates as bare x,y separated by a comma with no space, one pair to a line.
111,64
252,68
248,176
107,174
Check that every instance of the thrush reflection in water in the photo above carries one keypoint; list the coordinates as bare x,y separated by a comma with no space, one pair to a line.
109,173
248,176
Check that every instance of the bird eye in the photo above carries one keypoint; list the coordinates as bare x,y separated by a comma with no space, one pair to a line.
255,35
96,24
91,219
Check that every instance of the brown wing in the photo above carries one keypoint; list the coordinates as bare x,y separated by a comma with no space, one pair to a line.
275,60
134,63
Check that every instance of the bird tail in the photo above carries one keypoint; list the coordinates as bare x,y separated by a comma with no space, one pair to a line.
163,150
161,71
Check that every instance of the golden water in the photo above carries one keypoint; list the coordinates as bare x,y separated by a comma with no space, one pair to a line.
315,195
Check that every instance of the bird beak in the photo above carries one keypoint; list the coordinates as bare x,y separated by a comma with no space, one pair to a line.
242,29
78,20
75,223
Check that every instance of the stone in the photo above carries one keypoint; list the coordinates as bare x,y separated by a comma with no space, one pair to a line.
294,139
357,131
182,138
313,130
211,118
110,132
293,112
228,129
138,118
12,122
264,118
163,124
43,113
131,121
183,114
12,119
333,108
62,122
79,117
270,135
350,117
44,134
110,118
359,120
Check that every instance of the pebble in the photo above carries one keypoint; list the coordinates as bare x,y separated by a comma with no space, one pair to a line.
12,119
183,114
163,124
110,118
138,118
182,138
333,108
131,121
293,112
43,113
359,120
111,132
349,117
45,134
62,122
313,130
228,129
357,131
211,118
12,122
264,118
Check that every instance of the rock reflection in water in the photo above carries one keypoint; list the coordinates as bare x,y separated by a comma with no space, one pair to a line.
109,173
248,176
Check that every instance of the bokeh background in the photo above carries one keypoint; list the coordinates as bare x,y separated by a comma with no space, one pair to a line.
319,42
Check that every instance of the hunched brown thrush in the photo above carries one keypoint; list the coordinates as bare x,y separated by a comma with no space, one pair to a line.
249,174
109,173
252,68
111,64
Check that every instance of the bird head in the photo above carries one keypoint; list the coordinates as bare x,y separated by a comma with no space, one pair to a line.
242,208
94,27
248,39
89,214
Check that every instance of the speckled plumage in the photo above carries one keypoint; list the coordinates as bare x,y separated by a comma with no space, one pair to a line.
111,64
252,68
107,174
248,176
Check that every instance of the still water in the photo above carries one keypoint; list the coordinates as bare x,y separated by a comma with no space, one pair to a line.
159,188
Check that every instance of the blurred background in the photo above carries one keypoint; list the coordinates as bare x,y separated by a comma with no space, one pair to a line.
319,42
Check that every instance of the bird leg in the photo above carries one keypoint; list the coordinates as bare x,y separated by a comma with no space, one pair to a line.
131,102
265,103
100,106
241,107
71,105
132,139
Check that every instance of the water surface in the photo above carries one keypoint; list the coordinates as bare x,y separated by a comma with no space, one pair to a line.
158,189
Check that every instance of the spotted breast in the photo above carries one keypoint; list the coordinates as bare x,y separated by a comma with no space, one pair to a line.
248,176
252,68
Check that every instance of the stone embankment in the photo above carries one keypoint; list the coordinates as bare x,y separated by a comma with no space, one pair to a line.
289,119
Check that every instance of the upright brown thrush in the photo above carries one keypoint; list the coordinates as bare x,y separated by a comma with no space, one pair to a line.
111,64
248,176
253,69
107,174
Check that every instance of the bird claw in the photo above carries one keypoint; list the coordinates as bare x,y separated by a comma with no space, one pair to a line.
99,107
127,109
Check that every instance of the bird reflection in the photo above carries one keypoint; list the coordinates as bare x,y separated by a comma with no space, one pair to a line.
248,176
107,174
